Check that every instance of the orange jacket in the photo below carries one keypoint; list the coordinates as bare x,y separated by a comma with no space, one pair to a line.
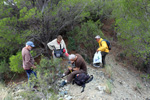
103,46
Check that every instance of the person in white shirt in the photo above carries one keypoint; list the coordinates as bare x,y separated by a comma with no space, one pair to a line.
58,44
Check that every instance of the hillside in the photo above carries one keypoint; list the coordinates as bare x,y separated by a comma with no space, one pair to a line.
118,81
126,83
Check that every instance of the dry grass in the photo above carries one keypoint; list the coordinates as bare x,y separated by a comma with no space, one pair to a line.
108,70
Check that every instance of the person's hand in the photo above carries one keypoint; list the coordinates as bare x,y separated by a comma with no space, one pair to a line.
34,67
76,69
70,68
97,50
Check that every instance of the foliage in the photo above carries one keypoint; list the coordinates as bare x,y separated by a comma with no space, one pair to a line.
5,72
71,45
45,82
3,66
16,63
132,24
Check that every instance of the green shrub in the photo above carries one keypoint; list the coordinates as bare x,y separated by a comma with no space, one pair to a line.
16,63
47,73
71,44
3,66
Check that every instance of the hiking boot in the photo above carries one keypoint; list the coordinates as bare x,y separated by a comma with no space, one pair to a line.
63,84
96,65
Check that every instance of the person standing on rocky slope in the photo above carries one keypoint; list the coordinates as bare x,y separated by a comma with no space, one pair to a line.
80,67
28,61
103,47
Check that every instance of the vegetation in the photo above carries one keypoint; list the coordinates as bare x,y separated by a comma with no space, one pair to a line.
132,26
45,82
16,63
79,21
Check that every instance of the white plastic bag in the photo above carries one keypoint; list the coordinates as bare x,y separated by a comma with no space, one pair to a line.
97,57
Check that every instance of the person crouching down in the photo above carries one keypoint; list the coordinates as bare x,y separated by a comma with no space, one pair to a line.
80,67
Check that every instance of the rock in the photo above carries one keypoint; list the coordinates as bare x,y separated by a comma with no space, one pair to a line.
62,93
101,88
147,99
68,97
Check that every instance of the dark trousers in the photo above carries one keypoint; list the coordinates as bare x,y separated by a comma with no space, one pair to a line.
103,58
72,74
29,73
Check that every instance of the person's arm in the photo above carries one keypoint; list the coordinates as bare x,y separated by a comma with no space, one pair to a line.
51,44
103,46
76,68
27,60
64,45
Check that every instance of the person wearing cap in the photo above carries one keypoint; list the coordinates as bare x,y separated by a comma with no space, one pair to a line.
80,67
57,44
103,48
28,61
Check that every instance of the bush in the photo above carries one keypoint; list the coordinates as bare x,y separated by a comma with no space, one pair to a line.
47,76
16,63
5,73
3,66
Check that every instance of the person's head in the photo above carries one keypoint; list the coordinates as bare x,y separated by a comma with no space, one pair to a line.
97,38
59,38
29,45
72,58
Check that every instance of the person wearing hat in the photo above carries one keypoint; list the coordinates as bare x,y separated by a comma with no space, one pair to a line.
58,44
103,48
28,61
80,67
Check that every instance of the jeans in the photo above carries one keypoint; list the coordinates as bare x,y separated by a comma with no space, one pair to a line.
29,73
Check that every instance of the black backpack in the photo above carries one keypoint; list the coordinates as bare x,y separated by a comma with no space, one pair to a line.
58,52
108,43
81,79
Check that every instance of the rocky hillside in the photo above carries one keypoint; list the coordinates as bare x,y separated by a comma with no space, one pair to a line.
116,82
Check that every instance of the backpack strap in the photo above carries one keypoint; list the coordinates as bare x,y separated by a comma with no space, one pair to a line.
106,43
101,42
83,88
90,79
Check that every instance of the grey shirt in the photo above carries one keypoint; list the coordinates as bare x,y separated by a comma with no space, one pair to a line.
28,60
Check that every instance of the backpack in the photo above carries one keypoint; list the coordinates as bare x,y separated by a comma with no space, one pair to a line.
58,52
81,79
108,43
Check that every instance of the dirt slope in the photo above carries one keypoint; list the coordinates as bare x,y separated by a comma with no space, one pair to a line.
126,83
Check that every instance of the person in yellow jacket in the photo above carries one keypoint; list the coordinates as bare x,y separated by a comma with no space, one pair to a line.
103,47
